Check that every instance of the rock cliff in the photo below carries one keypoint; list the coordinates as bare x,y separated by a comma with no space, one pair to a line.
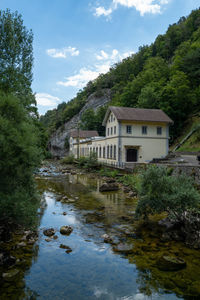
58,138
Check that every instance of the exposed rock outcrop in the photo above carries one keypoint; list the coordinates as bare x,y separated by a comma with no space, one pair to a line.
57,140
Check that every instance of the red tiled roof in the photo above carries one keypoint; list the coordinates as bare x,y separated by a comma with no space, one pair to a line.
83,133
137,114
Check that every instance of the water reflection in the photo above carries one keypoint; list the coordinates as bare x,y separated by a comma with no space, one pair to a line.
93,270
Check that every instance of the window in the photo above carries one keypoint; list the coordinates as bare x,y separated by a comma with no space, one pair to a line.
111,149
108,131
144,129
100,152
159,130
129,129
111,131
111,118
114,151
97,151
104,152
114,129
108,151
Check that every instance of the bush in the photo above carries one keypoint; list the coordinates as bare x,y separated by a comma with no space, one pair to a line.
109,172
68,159
159,192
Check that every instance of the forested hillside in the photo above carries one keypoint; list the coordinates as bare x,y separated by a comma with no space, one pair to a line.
165,75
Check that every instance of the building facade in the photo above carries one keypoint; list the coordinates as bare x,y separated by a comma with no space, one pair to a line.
132,135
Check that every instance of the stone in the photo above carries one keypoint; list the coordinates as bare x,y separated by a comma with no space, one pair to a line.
21,244
67,230
10,275
48,240
107,238
64,213
55,237
123,248
6,259
66,248
49,232
170,263
106,187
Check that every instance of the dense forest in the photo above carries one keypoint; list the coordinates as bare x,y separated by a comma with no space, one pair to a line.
21,135
165,75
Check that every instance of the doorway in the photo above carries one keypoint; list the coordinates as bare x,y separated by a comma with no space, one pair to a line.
131,155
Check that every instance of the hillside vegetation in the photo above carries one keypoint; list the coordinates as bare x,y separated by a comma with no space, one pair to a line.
165,75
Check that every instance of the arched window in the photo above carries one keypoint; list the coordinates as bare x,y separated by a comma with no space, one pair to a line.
104,152
100,152
108,148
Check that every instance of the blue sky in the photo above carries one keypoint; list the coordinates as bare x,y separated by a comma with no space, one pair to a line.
75,40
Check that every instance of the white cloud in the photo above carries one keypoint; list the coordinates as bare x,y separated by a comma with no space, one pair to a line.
143,6
63,52
44,99
86,74
101,11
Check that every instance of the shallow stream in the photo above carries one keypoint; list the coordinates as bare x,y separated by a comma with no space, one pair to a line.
93,270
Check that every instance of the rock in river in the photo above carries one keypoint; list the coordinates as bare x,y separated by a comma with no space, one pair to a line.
10,275
49,232
107,238
170,263
123,248
66,230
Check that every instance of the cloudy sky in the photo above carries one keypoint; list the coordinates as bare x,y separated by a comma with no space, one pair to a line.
76,40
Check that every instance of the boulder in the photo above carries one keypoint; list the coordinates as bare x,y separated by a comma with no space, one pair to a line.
170,263
107,238
10,275
66,230
49,232
123,248
6,259
107,187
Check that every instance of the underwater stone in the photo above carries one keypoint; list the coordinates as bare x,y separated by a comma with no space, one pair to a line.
170,263
10,275
123,248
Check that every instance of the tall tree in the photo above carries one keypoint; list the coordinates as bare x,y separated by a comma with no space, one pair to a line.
16,56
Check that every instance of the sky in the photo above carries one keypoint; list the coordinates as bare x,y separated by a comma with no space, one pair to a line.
76,40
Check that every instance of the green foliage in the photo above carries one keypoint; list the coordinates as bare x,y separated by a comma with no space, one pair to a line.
109,172
16,56
91,120
68,159
131,180
20,155
159,192
89,162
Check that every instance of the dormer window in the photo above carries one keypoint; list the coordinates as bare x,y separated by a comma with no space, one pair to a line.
111,118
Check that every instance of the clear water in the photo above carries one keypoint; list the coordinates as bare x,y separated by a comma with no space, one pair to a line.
93,270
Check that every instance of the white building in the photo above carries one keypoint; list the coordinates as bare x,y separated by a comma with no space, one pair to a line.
132,135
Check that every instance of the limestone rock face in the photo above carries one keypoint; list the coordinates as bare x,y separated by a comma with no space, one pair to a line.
57,140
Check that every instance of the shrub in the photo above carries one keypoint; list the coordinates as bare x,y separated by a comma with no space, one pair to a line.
68,159
159,192
109,172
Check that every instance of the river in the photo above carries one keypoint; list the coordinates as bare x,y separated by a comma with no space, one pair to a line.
92,269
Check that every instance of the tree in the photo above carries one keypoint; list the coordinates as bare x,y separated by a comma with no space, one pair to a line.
16,56
20,155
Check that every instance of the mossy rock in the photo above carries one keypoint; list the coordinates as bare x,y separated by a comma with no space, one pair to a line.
170,263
